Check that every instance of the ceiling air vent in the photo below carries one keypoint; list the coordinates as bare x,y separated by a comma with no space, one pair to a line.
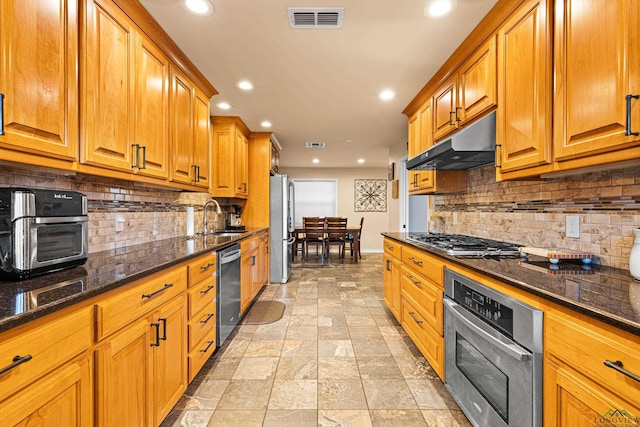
316,17
315,144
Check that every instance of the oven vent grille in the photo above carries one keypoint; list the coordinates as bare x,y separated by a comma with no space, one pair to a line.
317,17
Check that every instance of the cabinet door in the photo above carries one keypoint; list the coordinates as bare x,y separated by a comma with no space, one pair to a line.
524,87
242,164
223,146
124,377
181,128
246,281
202,140
477,82
152,110
594,56
170,357
414,135
62,398
445,115
38,78
391,285
108,87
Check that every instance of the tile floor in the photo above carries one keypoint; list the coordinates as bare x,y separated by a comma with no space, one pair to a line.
336,358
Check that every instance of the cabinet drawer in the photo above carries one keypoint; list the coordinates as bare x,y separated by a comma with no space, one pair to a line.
201,268
428,341
49,343
201,295
426,296
426,265
586,346
201,353
393,248
201,324
139,298
248,245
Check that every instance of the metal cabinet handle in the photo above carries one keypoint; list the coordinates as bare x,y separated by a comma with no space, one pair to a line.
206,291
390,247
457,115
451,116
166,286
209,344
164,329
206,267
17,360
617,365
253,260
157,343
412,314
1,113
388,265
628,130
136,150
415,282
415,261
209,316
497,156
144,158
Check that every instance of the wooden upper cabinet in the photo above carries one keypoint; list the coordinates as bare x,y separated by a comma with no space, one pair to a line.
596,61
202,139
230,155
181,129
108,87
444,108
523,120
242,165
151,134
38,77
477,85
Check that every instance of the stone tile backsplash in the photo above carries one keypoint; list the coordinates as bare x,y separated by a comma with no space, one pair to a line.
533,213
147,213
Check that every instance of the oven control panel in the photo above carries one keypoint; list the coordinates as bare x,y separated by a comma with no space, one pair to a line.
489,310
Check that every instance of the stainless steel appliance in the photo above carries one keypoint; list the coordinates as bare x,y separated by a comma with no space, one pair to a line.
41,231
460,244
493,354
228,293
282,212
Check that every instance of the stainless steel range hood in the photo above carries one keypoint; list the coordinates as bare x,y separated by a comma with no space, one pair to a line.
471,147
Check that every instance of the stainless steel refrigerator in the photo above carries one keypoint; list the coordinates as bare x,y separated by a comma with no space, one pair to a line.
282,208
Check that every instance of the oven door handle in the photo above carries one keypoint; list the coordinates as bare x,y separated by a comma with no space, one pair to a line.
512,350
60,219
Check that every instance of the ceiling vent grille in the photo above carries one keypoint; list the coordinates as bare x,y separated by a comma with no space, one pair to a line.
315,144
317,17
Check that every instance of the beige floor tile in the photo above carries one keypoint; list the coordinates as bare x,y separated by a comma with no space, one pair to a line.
187,419
414,368
264,348
370,348
335,348
294,394
361,320
426,394
333,333
291,418
270,332
388,394
378,368
341,394
299,348
202,394
371,332
246,395
237,419
302,333
220,368
397,418
445,418
256,368
341,418
297,321
297,368
344,368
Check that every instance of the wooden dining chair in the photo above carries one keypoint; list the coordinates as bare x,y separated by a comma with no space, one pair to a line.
313,236
336,229
354,240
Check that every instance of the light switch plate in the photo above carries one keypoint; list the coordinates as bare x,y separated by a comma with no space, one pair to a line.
573,226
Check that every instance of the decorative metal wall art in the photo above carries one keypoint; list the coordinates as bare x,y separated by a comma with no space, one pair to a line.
370,195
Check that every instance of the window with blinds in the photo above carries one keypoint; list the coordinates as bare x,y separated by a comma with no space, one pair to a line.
315,197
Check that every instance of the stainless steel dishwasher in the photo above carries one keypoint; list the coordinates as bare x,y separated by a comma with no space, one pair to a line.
228,297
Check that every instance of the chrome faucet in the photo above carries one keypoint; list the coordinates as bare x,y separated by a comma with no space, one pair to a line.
206,206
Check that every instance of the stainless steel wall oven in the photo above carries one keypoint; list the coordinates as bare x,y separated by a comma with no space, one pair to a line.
493,354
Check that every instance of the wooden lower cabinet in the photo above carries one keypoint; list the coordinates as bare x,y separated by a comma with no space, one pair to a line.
251,272
141,370
62,398
391,285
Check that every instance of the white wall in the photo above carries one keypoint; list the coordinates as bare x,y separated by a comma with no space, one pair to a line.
374,222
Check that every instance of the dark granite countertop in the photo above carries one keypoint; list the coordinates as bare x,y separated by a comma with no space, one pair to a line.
26,300
608,294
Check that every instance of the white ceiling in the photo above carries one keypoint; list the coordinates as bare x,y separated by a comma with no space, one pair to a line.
320,84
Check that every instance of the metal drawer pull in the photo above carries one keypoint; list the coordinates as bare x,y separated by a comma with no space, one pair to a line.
451,115
157,343
209,316
415,261
210,343
390,247
206,267
411,313
1,113
458,115
166,286
206,291
388,265
415,282
17,360
628,130
617,365
136,149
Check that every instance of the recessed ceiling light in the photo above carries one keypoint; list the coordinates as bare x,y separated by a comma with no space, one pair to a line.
387,94
245,85
316,160
360,160
266,124
438,8
348,141
224,105
199,7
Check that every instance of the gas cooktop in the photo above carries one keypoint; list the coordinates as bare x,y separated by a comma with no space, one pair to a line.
462,245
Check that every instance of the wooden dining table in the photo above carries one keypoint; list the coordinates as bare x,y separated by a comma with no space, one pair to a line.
298,231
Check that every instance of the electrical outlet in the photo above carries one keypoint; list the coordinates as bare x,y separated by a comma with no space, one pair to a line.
573,226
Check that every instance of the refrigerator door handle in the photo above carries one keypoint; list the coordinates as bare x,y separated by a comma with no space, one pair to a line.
290,240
